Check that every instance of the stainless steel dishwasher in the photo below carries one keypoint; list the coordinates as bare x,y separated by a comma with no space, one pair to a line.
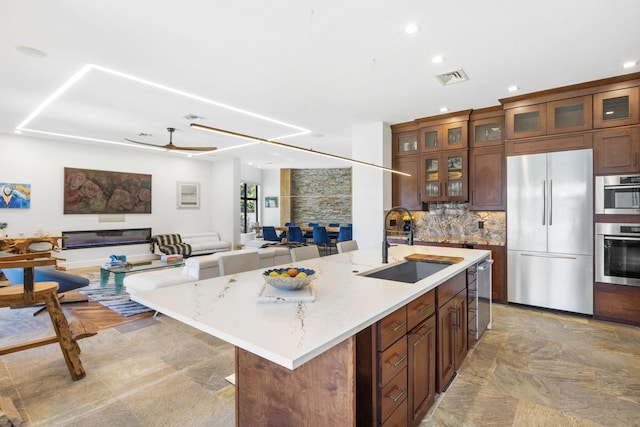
479,300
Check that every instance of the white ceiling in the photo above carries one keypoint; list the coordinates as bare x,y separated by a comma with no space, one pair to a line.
323,66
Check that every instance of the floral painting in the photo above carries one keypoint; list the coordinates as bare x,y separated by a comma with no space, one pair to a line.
89,191
15,195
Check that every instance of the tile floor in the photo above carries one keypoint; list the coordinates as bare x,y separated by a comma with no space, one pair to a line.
535,368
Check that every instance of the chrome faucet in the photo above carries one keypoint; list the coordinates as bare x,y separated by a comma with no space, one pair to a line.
385,242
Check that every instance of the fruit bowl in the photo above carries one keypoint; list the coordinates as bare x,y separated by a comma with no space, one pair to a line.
290,278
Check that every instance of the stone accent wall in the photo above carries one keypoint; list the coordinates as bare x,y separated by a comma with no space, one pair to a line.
319,195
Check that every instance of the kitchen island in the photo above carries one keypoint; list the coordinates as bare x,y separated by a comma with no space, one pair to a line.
295,361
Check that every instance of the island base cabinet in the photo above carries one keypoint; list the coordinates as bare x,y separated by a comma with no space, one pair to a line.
421,370
318,393
452,338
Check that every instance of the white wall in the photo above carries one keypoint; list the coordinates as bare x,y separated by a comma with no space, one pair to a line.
41,163
371,143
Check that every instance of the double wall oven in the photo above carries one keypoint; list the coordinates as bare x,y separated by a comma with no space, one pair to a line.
617,245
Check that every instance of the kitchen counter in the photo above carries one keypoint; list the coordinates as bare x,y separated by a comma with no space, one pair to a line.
291,334
309,340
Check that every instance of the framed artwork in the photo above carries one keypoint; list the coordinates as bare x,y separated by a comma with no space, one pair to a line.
16,196
88,191
188,194
270,202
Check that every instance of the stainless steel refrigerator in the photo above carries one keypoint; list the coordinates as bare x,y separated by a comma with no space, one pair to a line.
550,230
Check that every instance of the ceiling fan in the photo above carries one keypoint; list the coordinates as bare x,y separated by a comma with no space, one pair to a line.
171,146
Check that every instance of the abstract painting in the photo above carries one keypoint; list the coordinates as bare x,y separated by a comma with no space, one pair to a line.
88,191
15,195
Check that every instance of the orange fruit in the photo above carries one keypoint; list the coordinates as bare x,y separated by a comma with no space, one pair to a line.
292,272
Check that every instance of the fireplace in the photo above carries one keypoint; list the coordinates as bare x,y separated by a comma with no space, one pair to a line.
99,238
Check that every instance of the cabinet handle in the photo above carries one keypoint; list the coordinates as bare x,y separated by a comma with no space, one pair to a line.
402,392
425,308
399,361
427,331
397,328
458,319
472,198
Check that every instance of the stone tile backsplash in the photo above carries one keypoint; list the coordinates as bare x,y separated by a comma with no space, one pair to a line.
455,223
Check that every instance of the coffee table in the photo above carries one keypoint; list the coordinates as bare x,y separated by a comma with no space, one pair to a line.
120,272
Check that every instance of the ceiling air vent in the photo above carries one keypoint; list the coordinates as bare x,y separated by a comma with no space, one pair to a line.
453,77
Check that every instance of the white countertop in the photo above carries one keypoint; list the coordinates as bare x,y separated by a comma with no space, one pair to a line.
289,333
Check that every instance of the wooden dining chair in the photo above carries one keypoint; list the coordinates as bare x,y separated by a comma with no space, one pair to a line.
30,293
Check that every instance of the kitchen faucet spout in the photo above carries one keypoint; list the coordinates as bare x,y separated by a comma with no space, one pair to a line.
385,241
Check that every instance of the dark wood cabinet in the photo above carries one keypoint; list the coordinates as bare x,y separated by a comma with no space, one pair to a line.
616,108
444,176
451,314
406,189
616,151
421,369
526,121
405,143
617,303
488,131
570,115
487,179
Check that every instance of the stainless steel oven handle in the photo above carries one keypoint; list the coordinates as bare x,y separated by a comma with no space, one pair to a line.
637,239
621,187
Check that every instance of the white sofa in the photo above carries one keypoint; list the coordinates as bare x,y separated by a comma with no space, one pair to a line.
201,243
199,268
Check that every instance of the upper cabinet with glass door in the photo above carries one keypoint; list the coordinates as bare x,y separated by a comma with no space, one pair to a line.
405,143
569,115
616,108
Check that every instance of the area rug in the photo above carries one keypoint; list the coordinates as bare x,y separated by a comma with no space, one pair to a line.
114,299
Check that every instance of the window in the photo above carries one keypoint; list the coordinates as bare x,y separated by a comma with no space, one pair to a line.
248,206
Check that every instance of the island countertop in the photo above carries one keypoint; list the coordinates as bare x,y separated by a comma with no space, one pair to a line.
292,333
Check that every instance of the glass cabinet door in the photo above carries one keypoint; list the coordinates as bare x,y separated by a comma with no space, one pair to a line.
569,115
431,138
486,132
432,177
405,143
455,176
616,108
455,135
526,121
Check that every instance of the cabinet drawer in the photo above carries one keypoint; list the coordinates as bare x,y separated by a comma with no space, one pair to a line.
451,288
391,328
421,308
617,303
399,416
392,360
393,395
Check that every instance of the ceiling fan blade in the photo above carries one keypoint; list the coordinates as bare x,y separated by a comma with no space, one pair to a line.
173,147
179,147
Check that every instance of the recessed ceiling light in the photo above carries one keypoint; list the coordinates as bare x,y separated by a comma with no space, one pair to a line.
629,64
443,109
437,59
513,88
30,51
411,28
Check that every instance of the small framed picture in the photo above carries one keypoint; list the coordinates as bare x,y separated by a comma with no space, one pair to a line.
188,194
270,202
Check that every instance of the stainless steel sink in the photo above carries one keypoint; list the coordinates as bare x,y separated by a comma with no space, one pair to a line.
407,271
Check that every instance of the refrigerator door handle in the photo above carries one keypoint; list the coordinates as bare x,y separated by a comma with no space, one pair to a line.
544,200
549,256
550,202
